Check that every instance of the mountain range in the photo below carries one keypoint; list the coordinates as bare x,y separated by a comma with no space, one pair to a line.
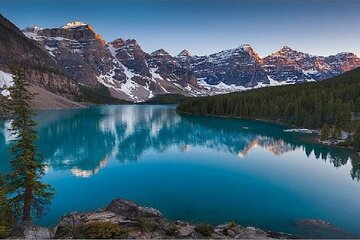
62,60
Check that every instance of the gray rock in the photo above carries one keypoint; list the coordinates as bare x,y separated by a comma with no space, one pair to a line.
130,210
144,222
36,232
101,216
231,233
29,231
186,231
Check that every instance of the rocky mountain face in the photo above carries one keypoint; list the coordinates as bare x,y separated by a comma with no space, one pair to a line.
170,68
290,66
40,69
132,74
242,68
120,65
79,51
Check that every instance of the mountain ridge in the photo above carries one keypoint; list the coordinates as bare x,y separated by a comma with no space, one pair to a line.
132,74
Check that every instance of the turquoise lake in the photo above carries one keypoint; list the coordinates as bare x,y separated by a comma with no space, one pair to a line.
200,169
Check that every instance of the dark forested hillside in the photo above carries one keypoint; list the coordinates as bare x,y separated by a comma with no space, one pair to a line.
167,99
308,105
98,95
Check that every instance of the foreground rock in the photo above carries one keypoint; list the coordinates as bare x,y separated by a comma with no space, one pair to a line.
29,231
125,219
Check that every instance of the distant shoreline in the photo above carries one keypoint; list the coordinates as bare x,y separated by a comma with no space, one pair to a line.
311,135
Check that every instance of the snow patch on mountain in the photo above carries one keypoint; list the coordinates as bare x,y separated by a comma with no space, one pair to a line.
32,35
6,81
222,87
219,88
153,72
274,82
130,87
112,50
32,32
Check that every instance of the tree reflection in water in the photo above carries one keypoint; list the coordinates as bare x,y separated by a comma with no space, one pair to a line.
84,140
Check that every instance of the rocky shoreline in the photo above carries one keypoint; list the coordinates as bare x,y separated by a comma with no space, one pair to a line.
126,219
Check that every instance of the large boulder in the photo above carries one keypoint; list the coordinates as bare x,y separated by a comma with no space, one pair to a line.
130,210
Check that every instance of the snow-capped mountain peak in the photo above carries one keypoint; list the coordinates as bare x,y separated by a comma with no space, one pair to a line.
184,53
74,24
160,52
286,49
246,47
33,29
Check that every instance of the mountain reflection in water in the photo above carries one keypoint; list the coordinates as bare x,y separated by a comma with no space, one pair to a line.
83,140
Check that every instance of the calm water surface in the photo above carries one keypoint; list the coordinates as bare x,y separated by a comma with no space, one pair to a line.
199,169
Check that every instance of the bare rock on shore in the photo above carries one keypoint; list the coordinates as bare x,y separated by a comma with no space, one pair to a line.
136,221
29,231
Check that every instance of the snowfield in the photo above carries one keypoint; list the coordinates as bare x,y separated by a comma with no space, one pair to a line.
6,80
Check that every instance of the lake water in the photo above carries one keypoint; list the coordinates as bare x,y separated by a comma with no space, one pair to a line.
201,169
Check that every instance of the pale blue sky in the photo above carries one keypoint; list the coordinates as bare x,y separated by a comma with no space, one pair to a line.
205,26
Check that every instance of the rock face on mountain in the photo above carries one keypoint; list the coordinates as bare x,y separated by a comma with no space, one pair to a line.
184,54
130,54
81,52
169,67
40,69
120,65
290,66
242,68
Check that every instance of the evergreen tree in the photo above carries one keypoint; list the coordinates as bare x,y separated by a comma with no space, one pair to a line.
325,132
357,138
27,194
357,105
7,220
336,132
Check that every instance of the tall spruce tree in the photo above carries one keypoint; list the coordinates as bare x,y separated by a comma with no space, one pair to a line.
325,132
336,132
27,194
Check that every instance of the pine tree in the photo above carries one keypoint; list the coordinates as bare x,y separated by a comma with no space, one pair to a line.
357,138
325,132
336,132
7,220
357,105
27,194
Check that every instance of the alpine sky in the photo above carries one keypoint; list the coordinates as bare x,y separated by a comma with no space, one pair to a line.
322,27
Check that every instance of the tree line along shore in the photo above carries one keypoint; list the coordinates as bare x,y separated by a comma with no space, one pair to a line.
331,105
